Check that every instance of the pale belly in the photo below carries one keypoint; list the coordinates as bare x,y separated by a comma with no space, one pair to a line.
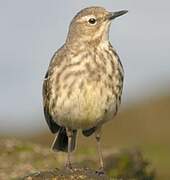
85,108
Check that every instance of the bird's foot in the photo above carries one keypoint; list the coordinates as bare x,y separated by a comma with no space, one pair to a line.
100,171
69,166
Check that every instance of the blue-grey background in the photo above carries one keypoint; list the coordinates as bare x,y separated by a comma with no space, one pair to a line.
31,31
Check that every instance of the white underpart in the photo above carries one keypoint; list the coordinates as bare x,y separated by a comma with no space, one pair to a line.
103,31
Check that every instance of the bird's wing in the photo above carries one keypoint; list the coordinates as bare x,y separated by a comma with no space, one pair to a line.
46,95
54,127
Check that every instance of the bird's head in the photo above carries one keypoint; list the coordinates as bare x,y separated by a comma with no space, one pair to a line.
92,25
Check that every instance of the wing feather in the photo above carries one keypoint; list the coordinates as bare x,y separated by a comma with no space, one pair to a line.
55,61
53,126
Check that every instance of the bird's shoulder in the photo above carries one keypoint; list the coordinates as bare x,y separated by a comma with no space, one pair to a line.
114,52
58,57
56,60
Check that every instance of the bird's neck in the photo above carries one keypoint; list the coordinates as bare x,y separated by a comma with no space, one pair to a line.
85,45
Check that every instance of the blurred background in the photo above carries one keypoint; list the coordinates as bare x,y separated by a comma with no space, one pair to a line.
31,31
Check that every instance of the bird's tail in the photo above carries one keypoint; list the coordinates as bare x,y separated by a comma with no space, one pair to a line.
61,141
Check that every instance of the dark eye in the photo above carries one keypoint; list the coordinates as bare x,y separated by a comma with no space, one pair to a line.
92,21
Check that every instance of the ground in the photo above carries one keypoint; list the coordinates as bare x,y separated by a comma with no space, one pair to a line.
25,160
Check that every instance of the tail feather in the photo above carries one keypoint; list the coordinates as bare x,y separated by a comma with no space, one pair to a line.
61,141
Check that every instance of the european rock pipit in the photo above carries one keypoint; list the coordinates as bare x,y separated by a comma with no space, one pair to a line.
83,85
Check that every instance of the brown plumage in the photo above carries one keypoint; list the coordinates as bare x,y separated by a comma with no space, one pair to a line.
83,85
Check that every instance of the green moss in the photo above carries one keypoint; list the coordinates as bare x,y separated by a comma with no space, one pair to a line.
24,148
130,164
86,151
20,159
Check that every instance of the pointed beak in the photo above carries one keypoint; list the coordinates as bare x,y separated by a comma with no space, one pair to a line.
116,14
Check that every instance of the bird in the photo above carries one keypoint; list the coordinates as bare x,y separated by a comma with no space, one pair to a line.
83,85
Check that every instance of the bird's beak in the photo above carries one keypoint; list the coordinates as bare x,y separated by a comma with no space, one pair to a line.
116,14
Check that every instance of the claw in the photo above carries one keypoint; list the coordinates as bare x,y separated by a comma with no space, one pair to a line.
100,172
69,166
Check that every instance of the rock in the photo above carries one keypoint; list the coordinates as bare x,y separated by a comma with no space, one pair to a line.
24,159
65,174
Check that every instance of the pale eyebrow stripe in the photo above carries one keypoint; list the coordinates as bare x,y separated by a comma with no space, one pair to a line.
87,17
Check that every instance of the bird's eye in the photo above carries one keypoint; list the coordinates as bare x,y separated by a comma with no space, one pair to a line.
92,21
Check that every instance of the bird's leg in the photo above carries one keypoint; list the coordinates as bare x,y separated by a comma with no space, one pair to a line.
69,135
98,137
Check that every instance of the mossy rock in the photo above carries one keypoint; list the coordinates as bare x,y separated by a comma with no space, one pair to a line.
65,174
129,164
23,159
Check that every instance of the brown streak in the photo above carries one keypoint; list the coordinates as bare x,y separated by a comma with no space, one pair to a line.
73,73
81,85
